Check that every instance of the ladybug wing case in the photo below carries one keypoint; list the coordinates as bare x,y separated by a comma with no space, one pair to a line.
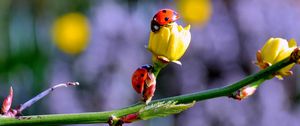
138,80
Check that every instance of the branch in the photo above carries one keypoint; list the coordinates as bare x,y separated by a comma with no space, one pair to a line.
102,117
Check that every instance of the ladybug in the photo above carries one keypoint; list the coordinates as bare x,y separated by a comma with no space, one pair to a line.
163,17
140,77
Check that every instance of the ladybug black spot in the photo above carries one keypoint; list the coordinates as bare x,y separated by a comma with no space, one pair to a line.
166,18
142,75
138,86
164,11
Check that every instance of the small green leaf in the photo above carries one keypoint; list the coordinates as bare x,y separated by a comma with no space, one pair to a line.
162,109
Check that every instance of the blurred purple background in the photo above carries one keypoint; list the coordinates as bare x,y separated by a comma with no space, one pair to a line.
221,52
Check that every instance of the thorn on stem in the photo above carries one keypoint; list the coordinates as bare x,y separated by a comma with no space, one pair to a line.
43,94
243,93
7,102
73,83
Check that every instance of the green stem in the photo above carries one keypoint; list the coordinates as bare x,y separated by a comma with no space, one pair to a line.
256,84
156,71
102,117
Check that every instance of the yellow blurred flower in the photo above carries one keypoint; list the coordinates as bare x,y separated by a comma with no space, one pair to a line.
169,43
195,11
71,33
275,50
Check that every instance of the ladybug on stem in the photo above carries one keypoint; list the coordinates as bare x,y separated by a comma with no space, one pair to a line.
163,17
144,82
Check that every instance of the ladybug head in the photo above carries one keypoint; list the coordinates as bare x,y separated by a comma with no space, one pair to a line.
148,67
154,26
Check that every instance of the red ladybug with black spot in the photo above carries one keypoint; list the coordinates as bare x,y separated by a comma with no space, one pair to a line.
144,82
163,17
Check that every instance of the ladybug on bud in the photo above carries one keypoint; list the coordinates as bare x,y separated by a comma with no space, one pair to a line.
163,17
144,82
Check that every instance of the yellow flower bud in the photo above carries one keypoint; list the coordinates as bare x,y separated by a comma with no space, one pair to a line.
71,33
275,50
170,42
